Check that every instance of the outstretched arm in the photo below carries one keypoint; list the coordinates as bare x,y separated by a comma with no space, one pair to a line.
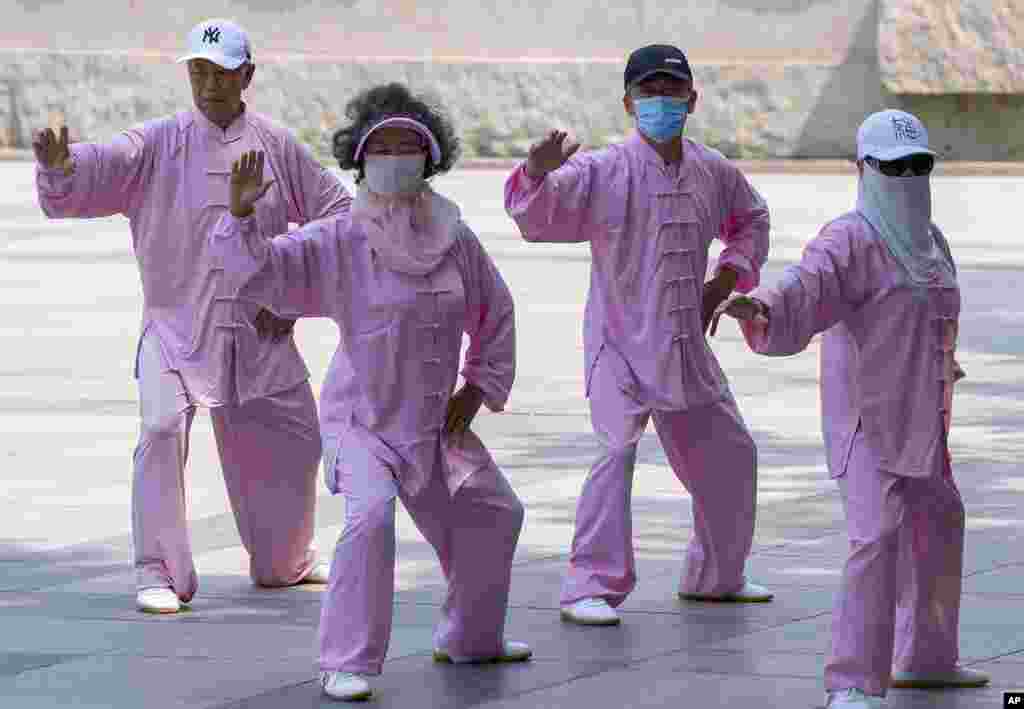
548,195
88,179
293,275
827,286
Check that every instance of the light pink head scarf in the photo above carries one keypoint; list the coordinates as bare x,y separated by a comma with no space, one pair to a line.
410,233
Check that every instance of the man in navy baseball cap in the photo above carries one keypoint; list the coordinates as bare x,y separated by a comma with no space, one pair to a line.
656,59
650,207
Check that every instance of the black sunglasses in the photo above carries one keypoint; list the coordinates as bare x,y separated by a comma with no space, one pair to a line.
919,164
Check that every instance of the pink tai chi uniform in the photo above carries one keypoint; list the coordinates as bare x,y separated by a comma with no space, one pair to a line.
383,407
650,226
887,371
170,177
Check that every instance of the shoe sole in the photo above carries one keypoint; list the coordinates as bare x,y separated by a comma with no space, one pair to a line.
726,599
570,618
361,697
446,658
159,611
936,684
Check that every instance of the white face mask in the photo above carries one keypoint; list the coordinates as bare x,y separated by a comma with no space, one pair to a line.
900,209
395,174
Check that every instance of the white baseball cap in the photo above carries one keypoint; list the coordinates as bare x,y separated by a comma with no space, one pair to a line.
891,135
221,41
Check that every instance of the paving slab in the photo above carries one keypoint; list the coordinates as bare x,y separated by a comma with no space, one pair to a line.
69,633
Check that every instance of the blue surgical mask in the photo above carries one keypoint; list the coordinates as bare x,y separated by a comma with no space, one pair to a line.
661,118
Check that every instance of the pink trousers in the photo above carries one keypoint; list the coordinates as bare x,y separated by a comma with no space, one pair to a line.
714,457
474,532
899,602
269,451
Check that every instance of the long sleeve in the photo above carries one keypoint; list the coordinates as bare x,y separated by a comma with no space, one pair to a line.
314,191
745,229
293,275
105,181
490,316
553,209
827,286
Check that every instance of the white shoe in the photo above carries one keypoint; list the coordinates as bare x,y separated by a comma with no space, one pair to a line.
590,611
956,677
157,600
750,593
346,686
321,573
512,652
853,699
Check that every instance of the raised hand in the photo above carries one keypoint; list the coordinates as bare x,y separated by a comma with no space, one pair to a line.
741,307
247,183
549,154
52,150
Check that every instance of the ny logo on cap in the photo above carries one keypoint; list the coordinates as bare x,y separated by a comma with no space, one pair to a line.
673,61
211,35
905,128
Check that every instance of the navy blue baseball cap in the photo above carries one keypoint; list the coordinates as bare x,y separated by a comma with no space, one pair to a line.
656,59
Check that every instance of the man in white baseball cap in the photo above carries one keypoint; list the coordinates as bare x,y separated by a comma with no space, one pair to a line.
220,67
220,41
880,283
171,177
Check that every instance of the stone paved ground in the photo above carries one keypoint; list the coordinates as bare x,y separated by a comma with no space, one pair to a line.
69,635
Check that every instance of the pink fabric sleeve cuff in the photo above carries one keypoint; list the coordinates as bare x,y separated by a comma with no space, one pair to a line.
757,334
495,395
229,226
748,278
53,181
530,182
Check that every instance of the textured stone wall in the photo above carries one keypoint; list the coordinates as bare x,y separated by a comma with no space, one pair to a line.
959,65
744,111
970,126
778,78
952,46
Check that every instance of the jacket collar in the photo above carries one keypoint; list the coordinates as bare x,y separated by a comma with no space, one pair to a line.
211,130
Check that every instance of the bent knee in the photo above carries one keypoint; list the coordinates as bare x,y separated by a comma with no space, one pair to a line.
622,451
163,426
375,520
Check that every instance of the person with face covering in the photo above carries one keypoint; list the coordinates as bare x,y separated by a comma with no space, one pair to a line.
169,177
880,283
404,278
650,208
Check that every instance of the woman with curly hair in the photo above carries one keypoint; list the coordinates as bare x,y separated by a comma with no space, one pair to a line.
403,277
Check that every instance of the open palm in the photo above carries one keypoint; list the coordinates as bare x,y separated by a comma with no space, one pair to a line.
247,184
51,149
550,153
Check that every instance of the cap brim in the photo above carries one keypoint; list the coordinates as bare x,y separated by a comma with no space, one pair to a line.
435,147
218,59
678,73
895,152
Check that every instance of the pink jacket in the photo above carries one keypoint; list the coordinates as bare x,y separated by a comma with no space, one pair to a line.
170,177
649,228
888,349
397,363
